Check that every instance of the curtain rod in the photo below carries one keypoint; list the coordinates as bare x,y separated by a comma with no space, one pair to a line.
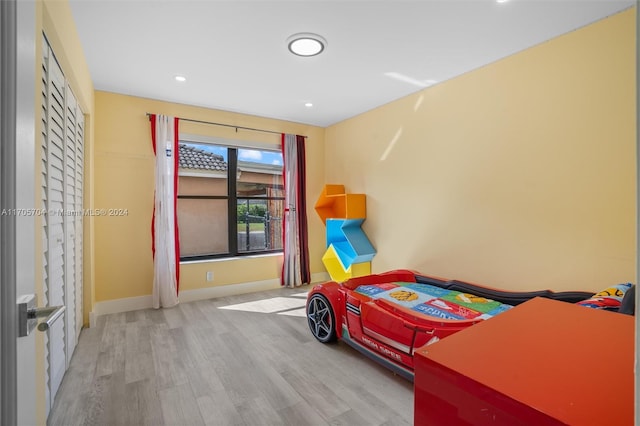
226,125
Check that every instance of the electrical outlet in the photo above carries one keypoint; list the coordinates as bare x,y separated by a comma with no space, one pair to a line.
209,275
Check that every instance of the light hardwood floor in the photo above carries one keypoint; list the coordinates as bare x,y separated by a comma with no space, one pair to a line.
199,364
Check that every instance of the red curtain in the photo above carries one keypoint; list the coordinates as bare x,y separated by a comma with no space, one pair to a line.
295,268
301,191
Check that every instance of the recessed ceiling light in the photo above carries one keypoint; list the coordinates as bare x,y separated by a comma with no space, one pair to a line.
308,104
306,44
501,1
180,78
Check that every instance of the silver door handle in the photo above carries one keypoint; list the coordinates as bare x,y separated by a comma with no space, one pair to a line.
28,315
51,312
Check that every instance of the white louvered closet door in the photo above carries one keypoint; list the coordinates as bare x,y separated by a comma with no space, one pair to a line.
69,224
55,222
79,223
44,144
62,163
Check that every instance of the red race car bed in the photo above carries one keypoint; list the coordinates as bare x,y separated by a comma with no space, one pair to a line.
388,316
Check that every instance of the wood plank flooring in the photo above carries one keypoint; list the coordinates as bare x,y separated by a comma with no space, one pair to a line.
197,364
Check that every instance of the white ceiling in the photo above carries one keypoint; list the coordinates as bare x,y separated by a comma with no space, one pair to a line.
235,58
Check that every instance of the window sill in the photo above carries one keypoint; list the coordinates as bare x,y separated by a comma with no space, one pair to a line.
231,258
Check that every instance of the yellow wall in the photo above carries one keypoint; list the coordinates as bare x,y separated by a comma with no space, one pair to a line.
124,179
519,175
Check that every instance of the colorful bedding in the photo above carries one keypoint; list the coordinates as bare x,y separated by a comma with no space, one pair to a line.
609,299
435,301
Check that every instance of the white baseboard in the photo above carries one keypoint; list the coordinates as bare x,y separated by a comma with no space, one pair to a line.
145,302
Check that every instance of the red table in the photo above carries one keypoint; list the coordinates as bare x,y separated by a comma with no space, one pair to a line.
543,362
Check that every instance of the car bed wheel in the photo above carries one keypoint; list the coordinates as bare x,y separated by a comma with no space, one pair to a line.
321,319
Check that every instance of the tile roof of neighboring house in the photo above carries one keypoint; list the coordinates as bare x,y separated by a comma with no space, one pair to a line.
199,159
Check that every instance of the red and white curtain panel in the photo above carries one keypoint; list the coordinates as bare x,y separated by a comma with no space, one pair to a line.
164,228
295,269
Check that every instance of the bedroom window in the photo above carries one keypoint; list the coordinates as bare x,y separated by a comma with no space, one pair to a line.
230,201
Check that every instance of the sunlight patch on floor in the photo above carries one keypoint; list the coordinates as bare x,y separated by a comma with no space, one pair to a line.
302,312
268,306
